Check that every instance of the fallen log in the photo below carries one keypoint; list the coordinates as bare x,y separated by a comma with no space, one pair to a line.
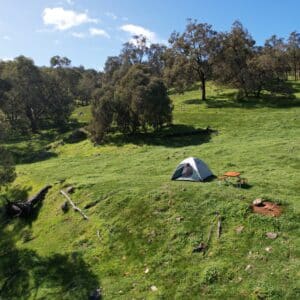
73,205
219,231
25,208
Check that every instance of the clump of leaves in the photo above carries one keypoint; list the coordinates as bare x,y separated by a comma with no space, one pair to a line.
27,236
211,275
7,168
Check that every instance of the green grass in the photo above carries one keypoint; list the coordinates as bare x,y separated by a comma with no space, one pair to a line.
60,256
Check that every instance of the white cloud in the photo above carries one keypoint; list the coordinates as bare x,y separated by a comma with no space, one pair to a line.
99,32
79,35
111,15
63,19
6,37
139,30
6,58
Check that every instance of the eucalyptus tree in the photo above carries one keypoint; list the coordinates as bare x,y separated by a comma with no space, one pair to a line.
293,50
195,48
237,49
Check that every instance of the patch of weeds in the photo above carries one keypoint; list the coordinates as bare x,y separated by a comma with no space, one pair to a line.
268,291
27,236
210,275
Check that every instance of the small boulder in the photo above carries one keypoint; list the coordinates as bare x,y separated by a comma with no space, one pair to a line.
268,249
154,288
70,189
239,229
257,202
248,267
200,248
271,235
65,207
95,295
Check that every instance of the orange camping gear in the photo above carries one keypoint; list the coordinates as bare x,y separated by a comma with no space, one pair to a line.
232,174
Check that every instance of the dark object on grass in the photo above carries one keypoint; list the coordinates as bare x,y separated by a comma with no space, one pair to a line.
200,248
65,207
96,295
91,204
76,136
70,189
25,209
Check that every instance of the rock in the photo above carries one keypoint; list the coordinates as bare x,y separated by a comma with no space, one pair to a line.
178,219
154,288
271,235
257,202
70,189
239,229
65,207
248,267
147,271
96,295
200,248
268,249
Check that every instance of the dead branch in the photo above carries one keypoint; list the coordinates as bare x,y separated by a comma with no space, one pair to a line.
219,231
73,205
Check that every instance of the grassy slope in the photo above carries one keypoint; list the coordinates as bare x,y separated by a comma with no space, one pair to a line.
138,209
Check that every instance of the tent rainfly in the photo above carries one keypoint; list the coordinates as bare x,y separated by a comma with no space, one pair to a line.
192,169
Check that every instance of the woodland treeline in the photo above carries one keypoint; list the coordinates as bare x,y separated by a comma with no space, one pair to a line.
131,93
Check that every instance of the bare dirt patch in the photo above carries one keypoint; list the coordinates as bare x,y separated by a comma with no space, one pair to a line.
267,208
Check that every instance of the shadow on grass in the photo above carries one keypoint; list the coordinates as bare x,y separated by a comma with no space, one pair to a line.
172,136
253,103
226,100
193,87
29,155
34,148
193,101
25,274
16,193
61,276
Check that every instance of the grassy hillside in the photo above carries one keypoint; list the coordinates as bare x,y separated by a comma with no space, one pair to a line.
143,228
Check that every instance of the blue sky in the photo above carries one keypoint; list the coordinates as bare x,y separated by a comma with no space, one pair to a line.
87,31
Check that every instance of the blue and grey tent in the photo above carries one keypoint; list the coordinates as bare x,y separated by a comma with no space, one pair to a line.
192,169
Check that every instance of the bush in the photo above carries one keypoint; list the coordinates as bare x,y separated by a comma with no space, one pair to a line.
210,275
76,136
138,102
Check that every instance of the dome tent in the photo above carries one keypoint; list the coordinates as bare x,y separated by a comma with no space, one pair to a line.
192,169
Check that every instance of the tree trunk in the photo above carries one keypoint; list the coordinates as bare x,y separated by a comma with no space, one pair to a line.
203,88
25,209
257,94
30,116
